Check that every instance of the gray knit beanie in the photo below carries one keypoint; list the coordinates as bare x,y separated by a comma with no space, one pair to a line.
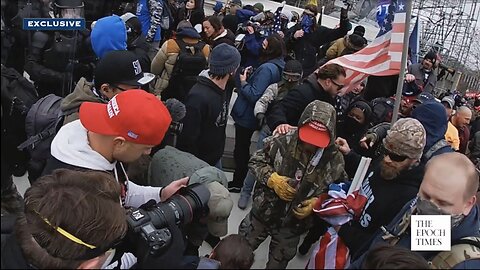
224,59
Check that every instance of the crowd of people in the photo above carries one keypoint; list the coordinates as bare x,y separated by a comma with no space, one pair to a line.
130,112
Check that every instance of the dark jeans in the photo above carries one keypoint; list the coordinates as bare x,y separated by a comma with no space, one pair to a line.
241,153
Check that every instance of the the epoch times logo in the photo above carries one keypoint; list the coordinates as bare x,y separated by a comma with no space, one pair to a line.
430,232
53,24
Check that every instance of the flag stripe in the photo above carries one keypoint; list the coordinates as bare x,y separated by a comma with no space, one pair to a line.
383,56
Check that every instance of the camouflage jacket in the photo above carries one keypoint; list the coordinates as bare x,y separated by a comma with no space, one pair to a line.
284,154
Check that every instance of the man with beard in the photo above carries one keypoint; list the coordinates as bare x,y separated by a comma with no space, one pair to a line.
390,182
423,73
448,188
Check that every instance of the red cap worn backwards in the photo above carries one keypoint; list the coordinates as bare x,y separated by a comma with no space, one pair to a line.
135,115
314,133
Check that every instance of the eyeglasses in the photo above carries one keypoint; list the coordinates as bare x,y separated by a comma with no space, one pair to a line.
291,77
340,86
123,89
394,157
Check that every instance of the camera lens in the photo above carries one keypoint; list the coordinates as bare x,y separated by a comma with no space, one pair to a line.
182,208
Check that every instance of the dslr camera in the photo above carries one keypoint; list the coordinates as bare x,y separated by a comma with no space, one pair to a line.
148,227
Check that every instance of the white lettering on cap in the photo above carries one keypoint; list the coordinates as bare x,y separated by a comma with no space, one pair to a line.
136,67
112,108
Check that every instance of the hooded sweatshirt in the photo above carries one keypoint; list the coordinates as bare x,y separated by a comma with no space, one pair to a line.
434,119
108,34
71,104
384,199
203,132
71,149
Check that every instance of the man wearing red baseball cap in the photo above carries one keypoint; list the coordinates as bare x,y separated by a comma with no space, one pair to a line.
129,125
291,172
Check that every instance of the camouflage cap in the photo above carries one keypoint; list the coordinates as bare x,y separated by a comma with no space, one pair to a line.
322,112
407,137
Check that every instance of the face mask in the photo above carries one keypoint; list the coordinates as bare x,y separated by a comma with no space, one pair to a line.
351,125
426,207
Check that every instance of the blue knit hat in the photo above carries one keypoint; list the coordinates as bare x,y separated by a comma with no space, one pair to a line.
224,59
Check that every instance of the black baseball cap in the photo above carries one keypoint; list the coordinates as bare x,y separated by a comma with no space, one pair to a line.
121,67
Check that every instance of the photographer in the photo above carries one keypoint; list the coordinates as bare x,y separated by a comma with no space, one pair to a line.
53,233
252,88
129,125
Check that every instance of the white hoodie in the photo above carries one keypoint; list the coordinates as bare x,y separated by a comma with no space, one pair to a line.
71,146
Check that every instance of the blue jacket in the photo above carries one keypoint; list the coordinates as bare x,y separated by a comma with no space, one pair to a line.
108,34
244,15
434,119
251,51
467,228
248,94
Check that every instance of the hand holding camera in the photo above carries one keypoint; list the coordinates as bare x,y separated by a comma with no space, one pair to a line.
245,73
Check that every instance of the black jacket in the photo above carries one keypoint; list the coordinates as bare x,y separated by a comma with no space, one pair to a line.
290,108
305,48
385,199
12,256
203,132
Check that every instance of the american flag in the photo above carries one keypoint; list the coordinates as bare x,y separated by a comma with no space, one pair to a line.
383,56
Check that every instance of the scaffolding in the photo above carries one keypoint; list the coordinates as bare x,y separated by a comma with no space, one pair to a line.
448,26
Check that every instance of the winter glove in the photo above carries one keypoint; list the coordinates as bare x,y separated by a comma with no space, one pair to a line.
281,187
305,208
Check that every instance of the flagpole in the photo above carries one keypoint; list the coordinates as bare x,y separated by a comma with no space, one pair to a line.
401,75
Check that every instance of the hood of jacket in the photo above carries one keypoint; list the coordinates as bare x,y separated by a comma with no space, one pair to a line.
71,146
434,119
108,34
321,112
207,82
279,62
469,225
82,92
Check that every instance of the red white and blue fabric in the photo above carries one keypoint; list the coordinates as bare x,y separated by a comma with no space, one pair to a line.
382,57
329,253
338,208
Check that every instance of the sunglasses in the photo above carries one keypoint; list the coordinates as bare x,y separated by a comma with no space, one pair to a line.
340,86
394,157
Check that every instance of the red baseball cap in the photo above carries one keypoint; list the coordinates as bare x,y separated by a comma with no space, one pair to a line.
135,115
315,133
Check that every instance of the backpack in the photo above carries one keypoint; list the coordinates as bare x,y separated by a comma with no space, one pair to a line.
18,95
43,121
190,62
467,248
382,110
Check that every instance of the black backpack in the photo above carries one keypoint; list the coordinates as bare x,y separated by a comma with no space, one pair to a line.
18,95
190,62
43,121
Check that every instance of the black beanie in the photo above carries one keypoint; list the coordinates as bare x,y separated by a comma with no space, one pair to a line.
224,59
293,66
359,30
432,56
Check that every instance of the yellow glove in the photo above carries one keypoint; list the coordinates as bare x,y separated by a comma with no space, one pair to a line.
280,185
305,208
